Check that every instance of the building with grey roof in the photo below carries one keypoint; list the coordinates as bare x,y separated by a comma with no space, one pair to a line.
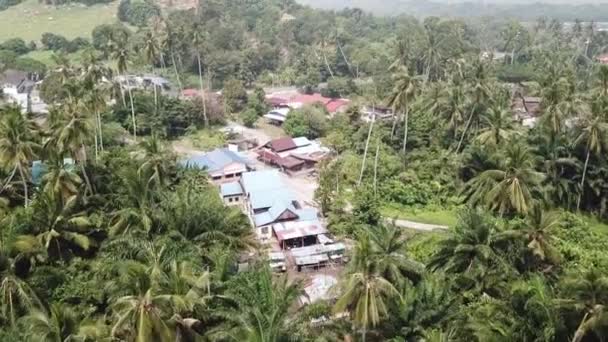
223,165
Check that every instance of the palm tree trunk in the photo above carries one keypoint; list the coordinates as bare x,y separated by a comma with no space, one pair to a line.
369,135
10,178
376,169
350,68
331,73
133,114
581,331
407,120
100,130
83,169
24,183
179,81
200,76
580,196
466,130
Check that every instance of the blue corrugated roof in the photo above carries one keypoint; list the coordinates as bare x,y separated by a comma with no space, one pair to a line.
39,169
215,160
231,189
307,214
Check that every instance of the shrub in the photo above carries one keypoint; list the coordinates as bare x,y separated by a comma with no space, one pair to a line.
30,65
77,44
249,117
235,96
102,35
137,13
339,87
7,58
16,45
307,122
54,42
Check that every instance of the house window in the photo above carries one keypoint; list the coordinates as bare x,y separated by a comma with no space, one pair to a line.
229,199
236,199
215,178
229,176
264,230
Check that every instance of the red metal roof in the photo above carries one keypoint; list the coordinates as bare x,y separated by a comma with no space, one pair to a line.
191,92
307,99
333,105
290,162
282,144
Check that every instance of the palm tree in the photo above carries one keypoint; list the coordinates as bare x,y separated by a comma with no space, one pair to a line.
536,232
18,146
587,293
403,94
471,250
121,55
60,179
155,161
136,204
60,325
150,52
511,188
498,127
364,292
61,228
261,307
198,40
16,296
389,256
595,137
143,314
480,95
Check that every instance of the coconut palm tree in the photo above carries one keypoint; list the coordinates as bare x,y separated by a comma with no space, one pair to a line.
471,251
143,314
511,188
60,179
364,292
498,127
594,135
121,56
261,305
150,49
587,294
401,98
61,227
18,146
136,204
16,296
61,324
198,41
389,256
155,161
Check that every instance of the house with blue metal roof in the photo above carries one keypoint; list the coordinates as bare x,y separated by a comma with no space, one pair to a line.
232,193
223,165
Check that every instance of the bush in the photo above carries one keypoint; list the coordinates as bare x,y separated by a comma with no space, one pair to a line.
77,44
310,122
30,65
137,13
249,117
54,42
235,96
7,58
339,87
16,45
102,35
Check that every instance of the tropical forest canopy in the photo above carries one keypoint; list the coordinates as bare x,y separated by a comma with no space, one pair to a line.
116,241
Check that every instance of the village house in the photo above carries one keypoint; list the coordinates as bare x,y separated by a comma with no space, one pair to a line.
275,211
602,59
527,109
292,155
283,103
18,88
368,113
222,165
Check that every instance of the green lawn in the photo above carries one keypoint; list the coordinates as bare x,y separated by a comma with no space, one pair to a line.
429,216
29,20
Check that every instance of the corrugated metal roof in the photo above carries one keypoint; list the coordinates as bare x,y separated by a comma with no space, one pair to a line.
215,160
231,189
282,144
301,141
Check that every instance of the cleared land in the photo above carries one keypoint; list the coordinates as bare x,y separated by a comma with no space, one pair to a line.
29,20
426,216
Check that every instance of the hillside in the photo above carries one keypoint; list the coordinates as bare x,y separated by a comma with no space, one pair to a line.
29,20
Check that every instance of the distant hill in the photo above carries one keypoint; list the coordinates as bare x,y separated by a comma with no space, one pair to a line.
524,10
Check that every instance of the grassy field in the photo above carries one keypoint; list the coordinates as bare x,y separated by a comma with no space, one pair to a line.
29,20
428,216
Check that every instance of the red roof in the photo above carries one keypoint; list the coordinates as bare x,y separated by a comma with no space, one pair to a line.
282,144
191,92
276,101
290,162
307,99
333,105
